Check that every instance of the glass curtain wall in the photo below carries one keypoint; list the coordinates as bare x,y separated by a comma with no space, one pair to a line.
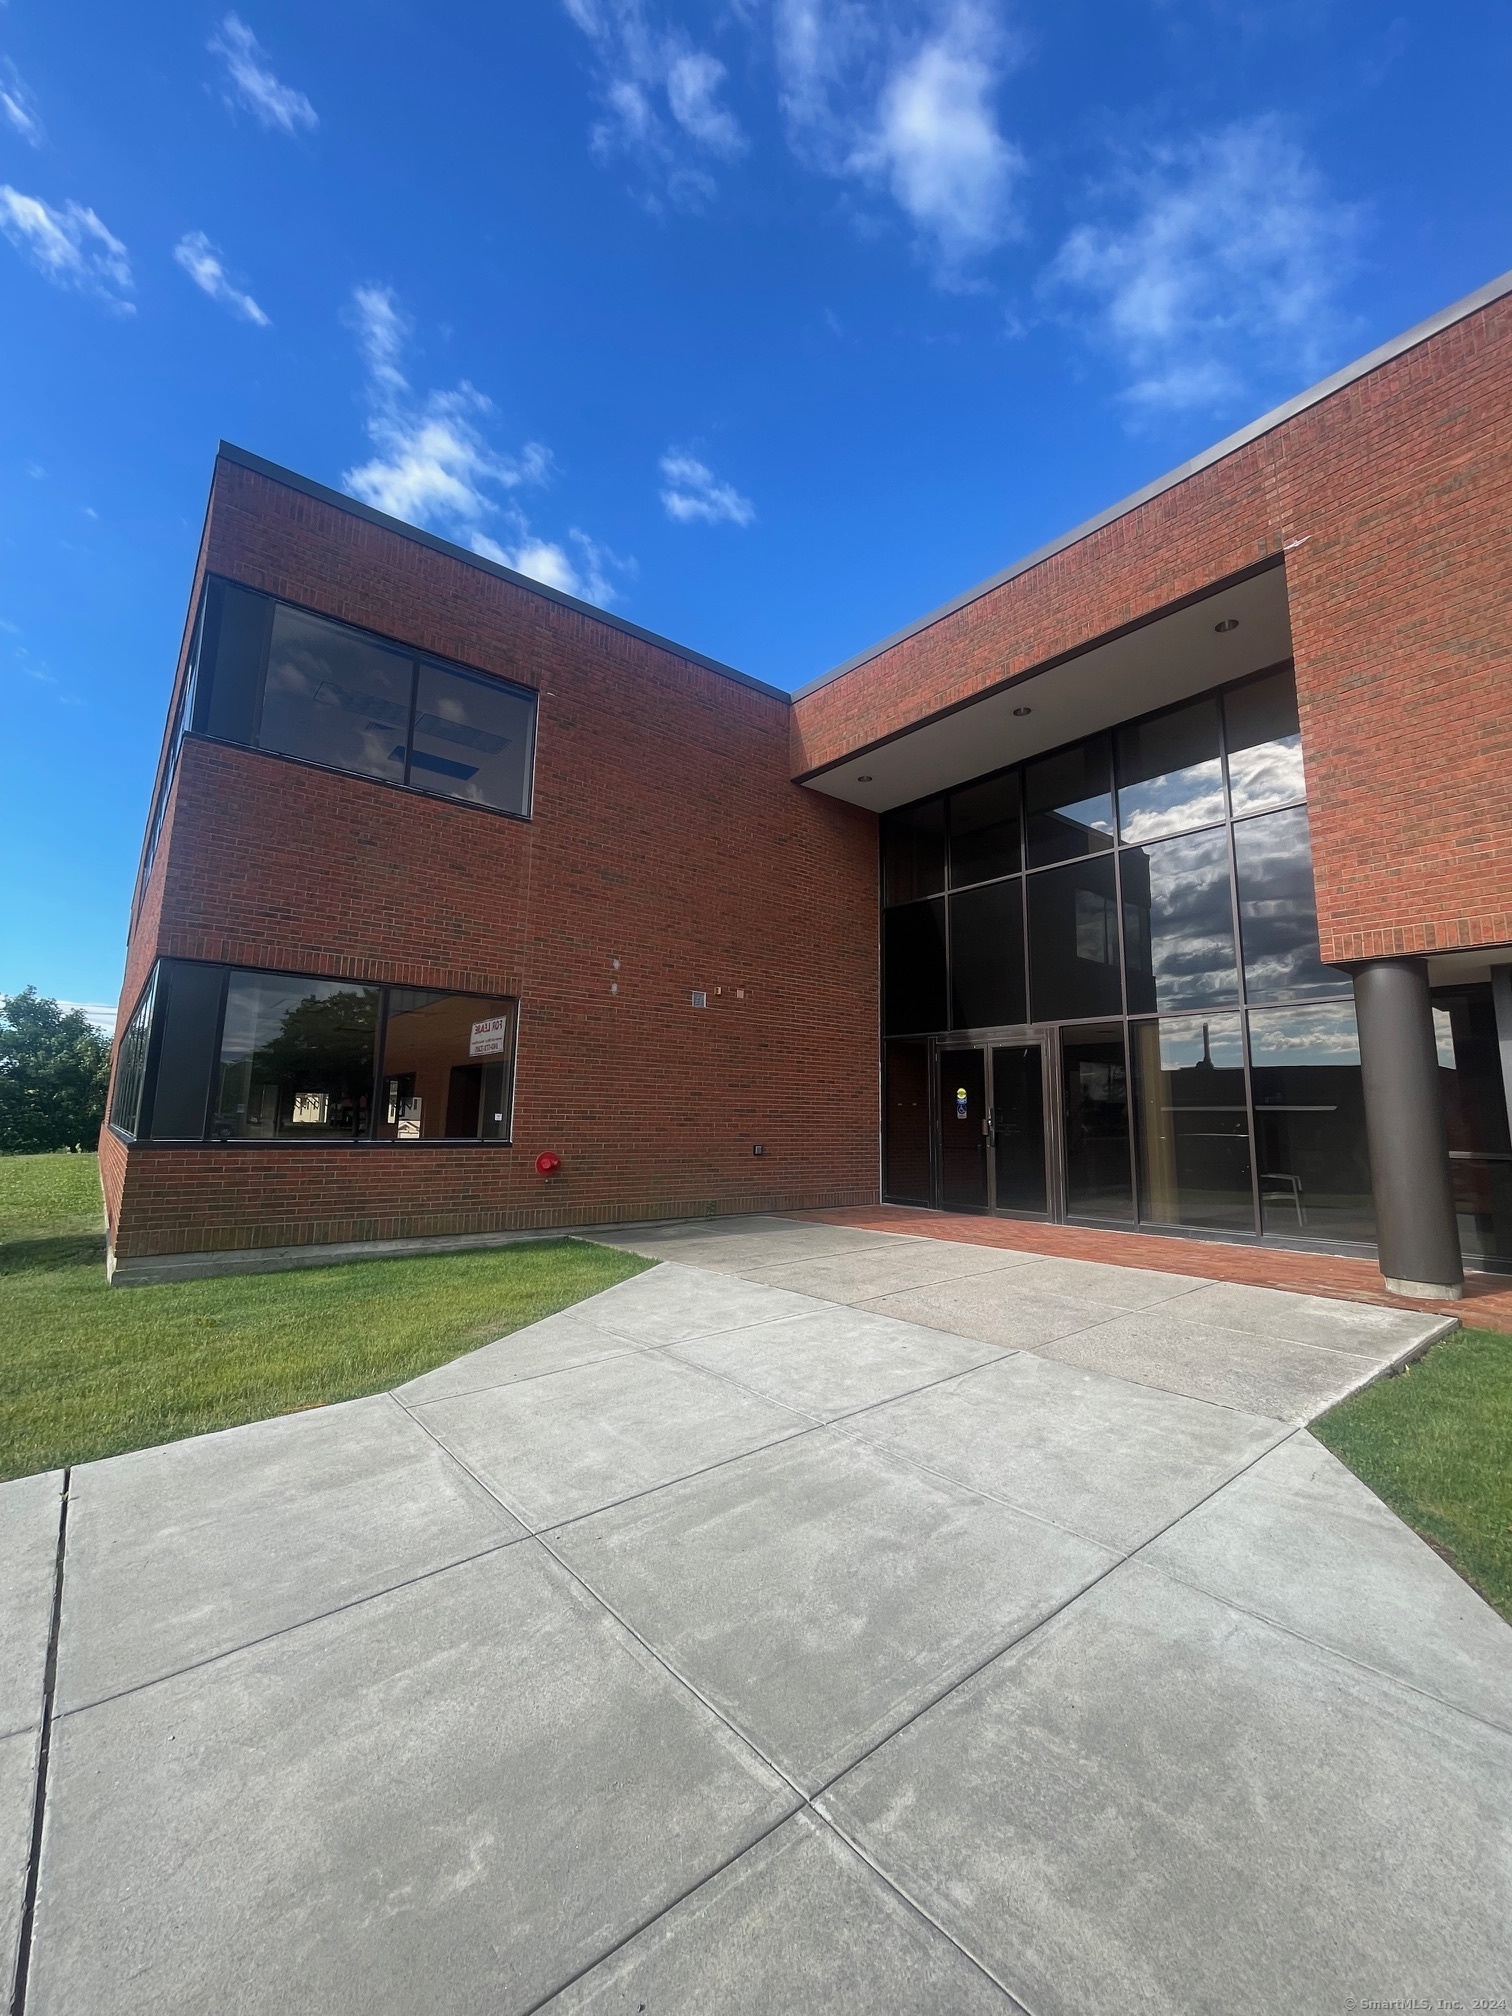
1148,890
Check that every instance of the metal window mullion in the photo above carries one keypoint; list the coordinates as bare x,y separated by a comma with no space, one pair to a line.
1256,1206
414,709
217,1066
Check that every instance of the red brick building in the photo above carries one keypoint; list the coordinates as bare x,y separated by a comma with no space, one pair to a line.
1195,903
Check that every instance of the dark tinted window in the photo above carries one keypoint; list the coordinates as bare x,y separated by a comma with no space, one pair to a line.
984,830
1475,1119
472,739
1264,743
913,851
296,1058
1068,802
1278,911
987,956
1470,1076
446,1060
1192,1123
1073,943
1179,923
233,642
1170,777
188,1012
906,1177
334,696
913,968
1310,1123
131,1063
1095,1124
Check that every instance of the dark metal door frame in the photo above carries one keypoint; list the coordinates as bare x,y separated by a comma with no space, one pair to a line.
985,1041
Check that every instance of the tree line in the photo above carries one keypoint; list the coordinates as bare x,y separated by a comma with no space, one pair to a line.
54,1068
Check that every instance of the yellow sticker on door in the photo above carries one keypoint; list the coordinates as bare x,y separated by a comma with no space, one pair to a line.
960,1102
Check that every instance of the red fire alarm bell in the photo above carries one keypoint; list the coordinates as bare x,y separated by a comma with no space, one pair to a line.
548,1164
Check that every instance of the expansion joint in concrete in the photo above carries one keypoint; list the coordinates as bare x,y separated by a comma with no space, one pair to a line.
44,1746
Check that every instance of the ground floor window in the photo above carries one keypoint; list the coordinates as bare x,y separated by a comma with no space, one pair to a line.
1476,1116
220,1053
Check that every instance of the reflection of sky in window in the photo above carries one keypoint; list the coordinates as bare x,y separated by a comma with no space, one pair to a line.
1278,920
1183,940
1195,1040
1093,814
1171,803
471,739
1443,1038
1268,774
335,697
1323,1036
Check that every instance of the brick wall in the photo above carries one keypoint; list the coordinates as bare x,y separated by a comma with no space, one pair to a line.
1392,499
666,833
1401,486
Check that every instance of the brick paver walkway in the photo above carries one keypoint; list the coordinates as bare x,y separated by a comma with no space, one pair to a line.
1487,1303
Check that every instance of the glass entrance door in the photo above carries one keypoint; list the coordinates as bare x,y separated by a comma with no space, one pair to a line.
1018,1129
964,1171
992,1145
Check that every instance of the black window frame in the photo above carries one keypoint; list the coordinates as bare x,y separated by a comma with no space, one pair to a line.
154,998
133,1060
418,659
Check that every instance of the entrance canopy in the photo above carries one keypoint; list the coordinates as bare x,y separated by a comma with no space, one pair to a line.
1239,627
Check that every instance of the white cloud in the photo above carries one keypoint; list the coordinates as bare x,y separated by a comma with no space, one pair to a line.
662,98
1225,267
254,84
69,244
435,467
543,560
18,105
908,109
694,494
693,82
202,262
101,1014
937,143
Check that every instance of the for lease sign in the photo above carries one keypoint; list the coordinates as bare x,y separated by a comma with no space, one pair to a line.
489,1038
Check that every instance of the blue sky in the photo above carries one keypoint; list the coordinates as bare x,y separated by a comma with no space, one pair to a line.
768,324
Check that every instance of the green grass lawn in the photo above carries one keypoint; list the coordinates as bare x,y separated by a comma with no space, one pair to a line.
87,1370
1435,1441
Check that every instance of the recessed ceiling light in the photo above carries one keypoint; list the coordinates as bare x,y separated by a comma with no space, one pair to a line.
1228,623
865,777
1023,710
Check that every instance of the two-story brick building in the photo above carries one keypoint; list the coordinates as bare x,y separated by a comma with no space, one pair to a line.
1165,880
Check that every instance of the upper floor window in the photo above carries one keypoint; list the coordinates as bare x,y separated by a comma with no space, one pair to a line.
274,677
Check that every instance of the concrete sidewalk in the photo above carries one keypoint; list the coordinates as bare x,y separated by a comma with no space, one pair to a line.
859,1643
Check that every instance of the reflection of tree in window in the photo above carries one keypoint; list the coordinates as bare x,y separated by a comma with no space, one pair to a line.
308,1064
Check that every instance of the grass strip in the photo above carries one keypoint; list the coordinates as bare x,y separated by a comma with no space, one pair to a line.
1435,1442
89,1371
